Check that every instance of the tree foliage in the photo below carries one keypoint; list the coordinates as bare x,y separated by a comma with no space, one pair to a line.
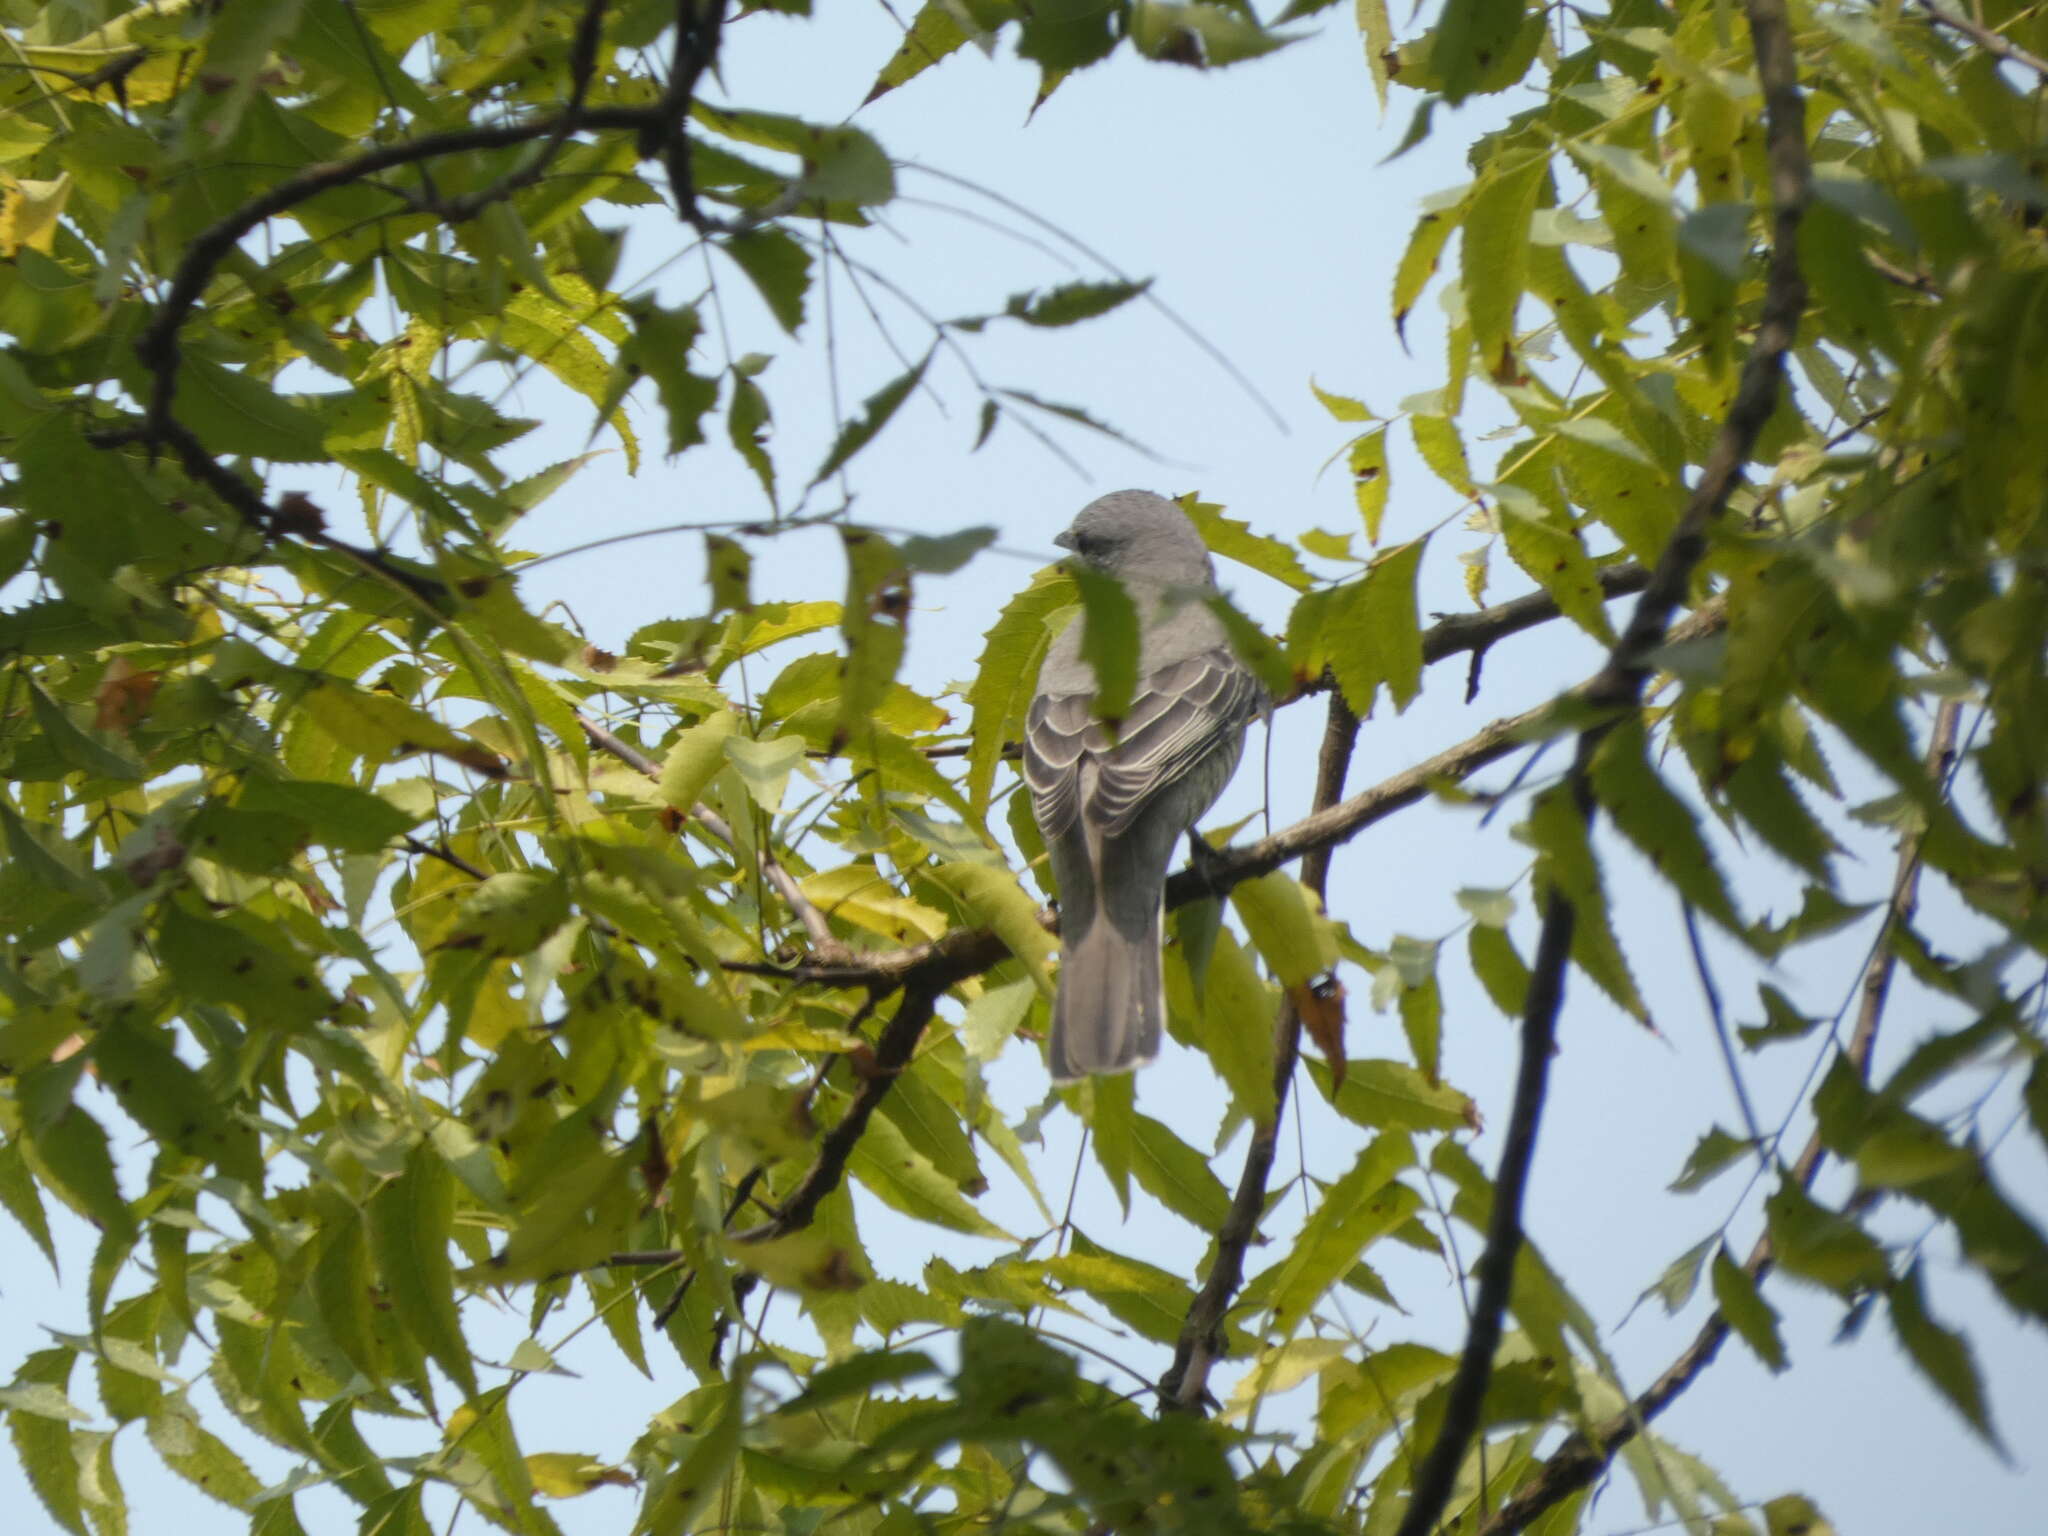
453,968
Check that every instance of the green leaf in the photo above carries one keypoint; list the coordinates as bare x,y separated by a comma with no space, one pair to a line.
1443,449
1371,480
412,1220
1233,1026
1942,1355
1821,1245
381,728
779,267
875,413
1362,1206
1675,1286
1475,44
1418,263
1496,244
1143,1297
24,1202
1392,1095
239,959
1109,640
765,766
39,1419
1499,968
694,759
1544,544
1286,925
69,1156
992,896
1373,631
1071,303
903,1178
1662,826
1714,1151
660,349
1736,1294
1234,540
198,1455
1176,1175
510,913
1565,860
74,745
934,32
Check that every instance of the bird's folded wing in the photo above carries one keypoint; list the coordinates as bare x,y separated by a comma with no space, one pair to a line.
1182,713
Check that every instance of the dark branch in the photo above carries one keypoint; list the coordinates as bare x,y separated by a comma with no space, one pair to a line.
1577,1462
1620,684
892,1054
1201,1344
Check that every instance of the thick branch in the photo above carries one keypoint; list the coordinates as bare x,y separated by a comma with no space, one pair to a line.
1185,1385
1577,1462
1620,683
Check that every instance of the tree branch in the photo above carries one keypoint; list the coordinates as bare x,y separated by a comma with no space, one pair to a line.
1577,1462
893,1051
1185,1386
1994,43
1620,684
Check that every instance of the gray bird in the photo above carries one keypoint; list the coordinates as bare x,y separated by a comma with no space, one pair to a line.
1112,802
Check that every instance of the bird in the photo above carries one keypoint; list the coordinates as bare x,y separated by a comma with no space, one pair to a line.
1111,799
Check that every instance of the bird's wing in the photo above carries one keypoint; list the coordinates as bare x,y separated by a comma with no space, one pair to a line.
1061,734
1182,712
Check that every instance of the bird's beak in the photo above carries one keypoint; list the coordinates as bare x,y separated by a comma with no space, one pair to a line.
1065,540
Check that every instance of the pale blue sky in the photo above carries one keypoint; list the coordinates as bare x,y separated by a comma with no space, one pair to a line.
1257,198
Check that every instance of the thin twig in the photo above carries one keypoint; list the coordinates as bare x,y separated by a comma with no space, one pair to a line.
1202,1342
1620,684
1719,1018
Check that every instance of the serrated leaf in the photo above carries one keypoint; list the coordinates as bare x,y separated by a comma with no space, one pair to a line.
1500,969
993,898
1365,1203
1234,540
1712,1153
875,413
1372,631
198,1455
694,759
1419,259
1821,1245
1176,1175
1742,1304
1233,1026
1663,828
902,1177
1392,1095
1494,252
780,270
1942,1354
412,1220
765,766
1005,677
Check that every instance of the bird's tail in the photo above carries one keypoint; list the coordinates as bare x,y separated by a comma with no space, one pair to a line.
1111,1006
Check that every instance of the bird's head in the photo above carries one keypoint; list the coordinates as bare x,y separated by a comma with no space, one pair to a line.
1137,536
